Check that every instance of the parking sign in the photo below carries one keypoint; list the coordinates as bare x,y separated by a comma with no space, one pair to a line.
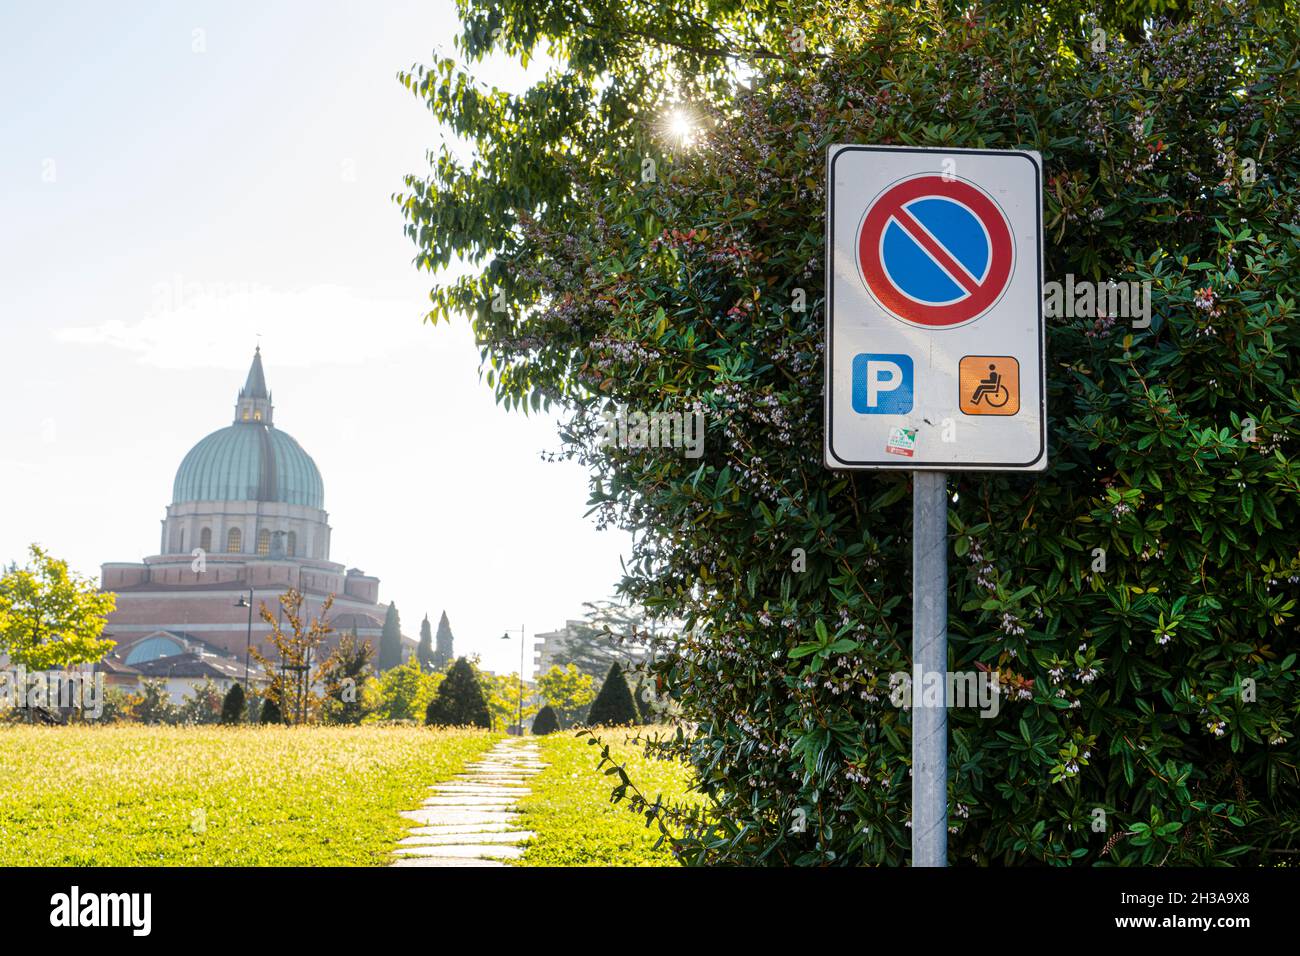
934,309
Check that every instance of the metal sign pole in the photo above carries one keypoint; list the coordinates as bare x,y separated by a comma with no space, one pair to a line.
929,657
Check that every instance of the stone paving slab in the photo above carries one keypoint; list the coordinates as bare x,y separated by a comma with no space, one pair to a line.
485,851
436,815
463,829
445,861
463,839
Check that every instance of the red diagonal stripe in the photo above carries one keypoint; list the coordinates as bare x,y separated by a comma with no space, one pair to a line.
940,254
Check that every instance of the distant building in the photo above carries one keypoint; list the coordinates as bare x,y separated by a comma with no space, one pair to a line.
247,516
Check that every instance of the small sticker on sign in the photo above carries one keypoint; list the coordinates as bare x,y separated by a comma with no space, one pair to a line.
902,441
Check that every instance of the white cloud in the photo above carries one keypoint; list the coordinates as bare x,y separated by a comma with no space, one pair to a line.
211,323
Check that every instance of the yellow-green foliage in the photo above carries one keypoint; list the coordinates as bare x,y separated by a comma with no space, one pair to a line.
192,796
570,811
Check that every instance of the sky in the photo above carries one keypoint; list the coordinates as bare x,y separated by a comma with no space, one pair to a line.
178,179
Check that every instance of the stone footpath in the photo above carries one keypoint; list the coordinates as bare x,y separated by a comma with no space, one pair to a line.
470,820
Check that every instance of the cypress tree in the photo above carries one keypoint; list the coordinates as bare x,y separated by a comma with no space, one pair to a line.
232,705
546,722
424,654
614,705
271,712
443,650
460,701
390,642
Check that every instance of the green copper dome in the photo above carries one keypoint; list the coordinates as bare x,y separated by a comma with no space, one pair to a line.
250,460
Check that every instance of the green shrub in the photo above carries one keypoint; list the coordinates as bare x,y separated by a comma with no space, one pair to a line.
270,712
1149,705
613,705
546,722
201,704
460,701
400,693
234,705
155,704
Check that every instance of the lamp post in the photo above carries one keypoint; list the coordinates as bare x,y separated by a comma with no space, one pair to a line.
505,637
248,640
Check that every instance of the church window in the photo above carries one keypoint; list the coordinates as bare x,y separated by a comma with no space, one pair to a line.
263,543
205,539
293,543
234,541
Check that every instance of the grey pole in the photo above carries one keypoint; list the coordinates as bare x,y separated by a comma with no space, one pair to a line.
929,656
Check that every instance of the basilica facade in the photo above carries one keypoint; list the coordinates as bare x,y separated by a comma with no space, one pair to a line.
246,523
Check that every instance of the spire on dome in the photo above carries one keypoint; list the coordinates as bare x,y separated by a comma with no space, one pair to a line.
255,385
254,403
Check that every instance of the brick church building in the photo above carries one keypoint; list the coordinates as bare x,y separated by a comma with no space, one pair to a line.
247,518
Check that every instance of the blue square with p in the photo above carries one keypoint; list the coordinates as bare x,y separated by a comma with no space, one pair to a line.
882,384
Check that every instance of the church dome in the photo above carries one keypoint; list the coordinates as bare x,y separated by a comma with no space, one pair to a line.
251,460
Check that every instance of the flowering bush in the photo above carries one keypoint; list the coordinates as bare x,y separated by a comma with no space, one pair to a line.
1136,601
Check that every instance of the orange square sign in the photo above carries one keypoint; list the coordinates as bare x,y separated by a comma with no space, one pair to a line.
989,385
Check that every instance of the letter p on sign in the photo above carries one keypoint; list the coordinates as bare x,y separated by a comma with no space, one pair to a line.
882,384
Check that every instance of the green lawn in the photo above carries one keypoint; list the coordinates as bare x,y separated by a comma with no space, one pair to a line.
570,811
195,796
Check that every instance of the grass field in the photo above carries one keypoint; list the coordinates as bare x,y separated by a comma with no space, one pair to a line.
570,811
195,796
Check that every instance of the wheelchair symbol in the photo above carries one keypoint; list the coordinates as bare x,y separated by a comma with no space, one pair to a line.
989,385
991,390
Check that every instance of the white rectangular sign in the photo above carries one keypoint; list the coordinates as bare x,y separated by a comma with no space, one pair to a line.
934,309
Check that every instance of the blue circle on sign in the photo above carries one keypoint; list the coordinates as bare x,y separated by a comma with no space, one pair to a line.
914,271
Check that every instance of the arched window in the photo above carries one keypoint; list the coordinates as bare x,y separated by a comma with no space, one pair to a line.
234,541
293,543
263,543
205,539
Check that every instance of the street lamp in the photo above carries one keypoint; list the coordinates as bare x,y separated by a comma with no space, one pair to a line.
248,641
505,637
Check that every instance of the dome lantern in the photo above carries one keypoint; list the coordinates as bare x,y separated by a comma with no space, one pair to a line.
254,402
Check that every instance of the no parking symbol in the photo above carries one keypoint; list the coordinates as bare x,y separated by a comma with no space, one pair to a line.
935,251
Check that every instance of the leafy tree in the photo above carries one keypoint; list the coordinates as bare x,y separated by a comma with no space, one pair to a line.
202,704
390,641
568,691
545,722
344,675
271,713
502,691
444,644
424,653
290,681
50,617
401,693
591,650
119,705
613,706
460,701
1137,601
234,705
155,705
